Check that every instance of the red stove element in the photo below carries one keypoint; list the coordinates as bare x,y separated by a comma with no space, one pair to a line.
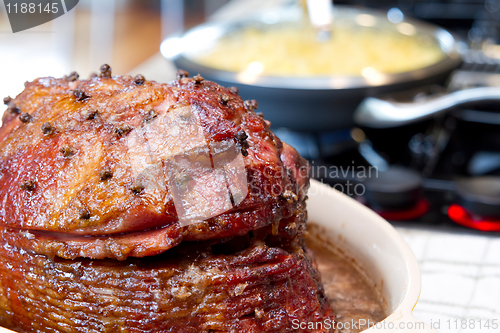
418,210
460,215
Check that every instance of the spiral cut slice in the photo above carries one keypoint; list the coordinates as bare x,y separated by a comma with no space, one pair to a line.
258,282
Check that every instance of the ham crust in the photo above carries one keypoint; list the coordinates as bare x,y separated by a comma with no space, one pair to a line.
86,166
258,282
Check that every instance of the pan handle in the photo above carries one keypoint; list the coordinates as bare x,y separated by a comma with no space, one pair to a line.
377,113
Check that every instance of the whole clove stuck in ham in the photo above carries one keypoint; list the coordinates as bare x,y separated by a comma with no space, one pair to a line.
127,205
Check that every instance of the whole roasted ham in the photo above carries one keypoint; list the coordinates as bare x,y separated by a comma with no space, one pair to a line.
129,205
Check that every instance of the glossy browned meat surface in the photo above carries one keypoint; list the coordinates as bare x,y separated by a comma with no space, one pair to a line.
252,283
85,166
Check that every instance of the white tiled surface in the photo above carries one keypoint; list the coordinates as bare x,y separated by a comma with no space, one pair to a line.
460,279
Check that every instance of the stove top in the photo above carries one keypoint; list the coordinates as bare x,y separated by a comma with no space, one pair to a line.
441,173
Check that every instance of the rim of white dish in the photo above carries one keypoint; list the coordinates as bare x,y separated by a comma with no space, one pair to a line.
403,310
412,293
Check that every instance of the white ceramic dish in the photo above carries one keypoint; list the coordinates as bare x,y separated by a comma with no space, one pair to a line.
375,246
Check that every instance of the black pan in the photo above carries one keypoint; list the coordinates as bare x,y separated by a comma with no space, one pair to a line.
310,103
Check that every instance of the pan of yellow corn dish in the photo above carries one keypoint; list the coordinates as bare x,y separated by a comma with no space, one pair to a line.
304,83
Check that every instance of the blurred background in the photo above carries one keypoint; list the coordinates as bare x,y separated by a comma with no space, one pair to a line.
428,163
122,33
127,32
383,49
430,129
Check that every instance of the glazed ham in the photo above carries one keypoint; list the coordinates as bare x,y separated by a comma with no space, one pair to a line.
129,205
247,283
260,289
88,167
